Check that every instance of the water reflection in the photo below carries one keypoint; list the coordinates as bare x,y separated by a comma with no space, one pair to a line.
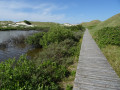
12,44
3,46
33,52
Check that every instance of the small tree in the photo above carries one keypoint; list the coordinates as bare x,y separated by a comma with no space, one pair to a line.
27,22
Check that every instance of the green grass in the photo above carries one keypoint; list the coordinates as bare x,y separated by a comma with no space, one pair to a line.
69,87
112,54
111,22
44,24
91,24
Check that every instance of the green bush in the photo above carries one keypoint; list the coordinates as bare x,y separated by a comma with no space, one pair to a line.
27,22
108,35
69,87
56,34
23,74
60,53
35,39
76,28
16,75
73,73
77,35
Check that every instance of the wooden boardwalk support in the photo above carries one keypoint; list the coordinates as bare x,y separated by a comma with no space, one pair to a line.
93,70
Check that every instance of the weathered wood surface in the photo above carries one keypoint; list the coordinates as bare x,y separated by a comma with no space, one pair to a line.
93,70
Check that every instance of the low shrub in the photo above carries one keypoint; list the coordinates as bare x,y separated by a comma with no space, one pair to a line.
76,28
69,87
108,35
60,53
23,74
77,35
56,34
16,75
27,22
17,39
35,39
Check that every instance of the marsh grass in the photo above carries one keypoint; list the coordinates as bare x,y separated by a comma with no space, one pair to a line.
18,39
3,45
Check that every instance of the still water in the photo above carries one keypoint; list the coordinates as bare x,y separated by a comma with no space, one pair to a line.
10,49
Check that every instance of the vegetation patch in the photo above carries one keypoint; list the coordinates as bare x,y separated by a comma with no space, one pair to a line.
45,72
45,29
112,53
27,22
108,35
108,39
91,24
44,24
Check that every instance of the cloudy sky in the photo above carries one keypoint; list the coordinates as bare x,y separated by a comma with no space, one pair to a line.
61,11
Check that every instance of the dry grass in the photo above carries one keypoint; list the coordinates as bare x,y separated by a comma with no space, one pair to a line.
112,54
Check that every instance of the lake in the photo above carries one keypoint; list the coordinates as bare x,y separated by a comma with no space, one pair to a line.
11,44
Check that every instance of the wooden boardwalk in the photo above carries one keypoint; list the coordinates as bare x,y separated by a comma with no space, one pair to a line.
93,70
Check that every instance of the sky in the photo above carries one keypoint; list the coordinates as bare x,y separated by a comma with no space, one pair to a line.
60,11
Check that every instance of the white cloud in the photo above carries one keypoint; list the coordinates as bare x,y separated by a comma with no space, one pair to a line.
17,11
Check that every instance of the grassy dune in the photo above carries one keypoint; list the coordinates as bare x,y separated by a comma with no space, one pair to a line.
44,24
6,22
91,24
107,36
111,22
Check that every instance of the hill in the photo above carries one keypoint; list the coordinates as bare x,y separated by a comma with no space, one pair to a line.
5,22
43,24
111,22
91,24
